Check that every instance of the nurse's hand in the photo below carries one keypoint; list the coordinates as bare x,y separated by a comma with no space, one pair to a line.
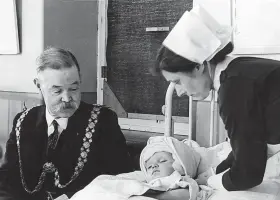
203,177
215,181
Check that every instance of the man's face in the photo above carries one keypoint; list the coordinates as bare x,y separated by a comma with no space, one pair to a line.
159,165
60,90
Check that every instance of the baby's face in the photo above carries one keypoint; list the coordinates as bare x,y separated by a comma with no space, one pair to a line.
159,165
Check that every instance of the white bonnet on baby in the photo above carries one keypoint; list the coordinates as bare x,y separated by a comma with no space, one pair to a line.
186,159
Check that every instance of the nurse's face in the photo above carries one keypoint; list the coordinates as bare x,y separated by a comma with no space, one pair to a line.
196,83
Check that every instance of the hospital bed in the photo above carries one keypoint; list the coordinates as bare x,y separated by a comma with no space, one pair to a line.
269,189
105,188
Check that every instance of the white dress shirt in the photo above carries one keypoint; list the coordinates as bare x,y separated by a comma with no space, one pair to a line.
62,123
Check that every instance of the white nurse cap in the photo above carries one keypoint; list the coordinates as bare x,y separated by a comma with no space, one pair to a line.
197,36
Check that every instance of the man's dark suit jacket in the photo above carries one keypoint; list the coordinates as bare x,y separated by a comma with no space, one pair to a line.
108,153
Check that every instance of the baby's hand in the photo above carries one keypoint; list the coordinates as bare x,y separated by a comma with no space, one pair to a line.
203,177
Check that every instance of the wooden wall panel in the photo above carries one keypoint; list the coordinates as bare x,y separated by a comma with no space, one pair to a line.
4,118
15,106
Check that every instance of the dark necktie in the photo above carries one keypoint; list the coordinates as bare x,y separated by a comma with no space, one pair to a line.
53,138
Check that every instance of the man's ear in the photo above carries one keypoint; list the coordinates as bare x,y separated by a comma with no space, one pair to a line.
37,83
80,78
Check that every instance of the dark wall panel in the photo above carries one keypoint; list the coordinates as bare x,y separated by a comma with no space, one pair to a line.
131,51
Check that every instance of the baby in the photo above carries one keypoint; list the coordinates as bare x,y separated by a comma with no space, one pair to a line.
159,165
168,169
170,164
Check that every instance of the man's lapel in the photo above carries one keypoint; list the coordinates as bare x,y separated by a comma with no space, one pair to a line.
41,130
34,141
41,126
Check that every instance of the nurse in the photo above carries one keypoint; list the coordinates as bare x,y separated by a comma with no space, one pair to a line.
195,56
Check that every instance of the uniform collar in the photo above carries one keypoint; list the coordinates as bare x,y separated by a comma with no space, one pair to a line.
219,68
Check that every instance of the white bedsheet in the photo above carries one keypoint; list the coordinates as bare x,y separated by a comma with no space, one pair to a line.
130,186
268,190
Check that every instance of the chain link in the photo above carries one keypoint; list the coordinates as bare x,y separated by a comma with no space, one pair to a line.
49,166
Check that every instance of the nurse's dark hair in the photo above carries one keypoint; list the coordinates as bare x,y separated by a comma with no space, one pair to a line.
169,61
56,58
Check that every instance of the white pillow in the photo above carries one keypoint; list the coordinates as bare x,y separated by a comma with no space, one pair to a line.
212,156
242,195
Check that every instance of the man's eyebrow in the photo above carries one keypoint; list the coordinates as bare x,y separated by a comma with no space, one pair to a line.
58,86
75,83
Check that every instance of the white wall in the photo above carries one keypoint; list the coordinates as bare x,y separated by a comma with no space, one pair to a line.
17,71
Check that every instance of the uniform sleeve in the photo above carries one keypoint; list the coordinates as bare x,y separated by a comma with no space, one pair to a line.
224,165
116,158
241,110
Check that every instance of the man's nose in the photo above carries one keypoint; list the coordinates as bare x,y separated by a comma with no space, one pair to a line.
66,97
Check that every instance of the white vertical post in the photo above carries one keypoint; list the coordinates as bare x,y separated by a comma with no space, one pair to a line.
232,18
101,47
190,117
168,110
212,115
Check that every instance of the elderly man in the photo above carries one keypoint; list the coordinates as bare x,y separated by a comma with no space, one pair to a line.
58,148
